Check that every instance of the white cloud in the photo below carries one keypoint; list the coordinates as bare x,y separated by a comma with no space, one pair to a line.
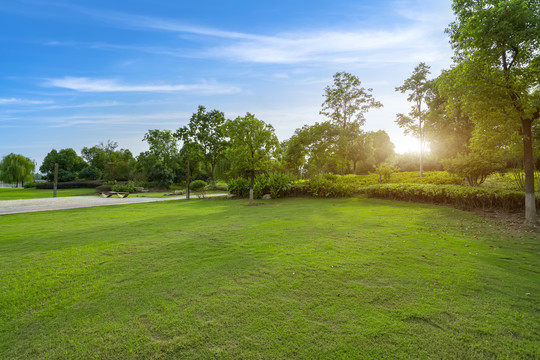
421,34
110,85
15,101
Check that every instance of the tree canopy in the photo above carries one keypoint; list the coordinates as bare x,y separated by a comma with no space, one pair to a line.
251,146
16,168
205,131
496,76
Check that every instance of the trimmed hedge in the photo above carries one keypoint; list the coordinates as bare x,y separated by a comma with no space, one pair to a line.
91,184
458,196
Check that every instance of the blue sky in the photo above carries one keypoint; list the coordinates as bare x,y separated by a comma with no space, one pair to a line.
77,73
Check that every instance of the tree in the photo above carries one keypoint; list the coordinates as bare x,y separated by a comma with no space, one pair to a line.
383,147
345,104
69,164
206,130
497,71
163,157
448,129
347,101
16,168
252,143
417,85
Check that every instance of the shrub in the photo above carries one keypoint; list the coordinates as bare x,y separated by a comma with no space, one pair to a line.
385,171
124,188
460,196
110,182
31,184
217,187
328,185
474,167
279,184
197,185
239,186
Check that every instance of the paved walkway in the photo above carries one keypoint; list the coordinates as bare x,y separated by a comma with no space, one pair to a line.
72,202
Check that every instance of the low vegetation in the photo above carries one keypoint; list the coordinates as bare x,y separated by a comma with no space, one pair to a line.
294,278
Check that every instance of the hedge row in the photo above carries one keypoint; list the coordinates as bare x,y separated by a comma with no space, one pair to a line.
92,184
458,196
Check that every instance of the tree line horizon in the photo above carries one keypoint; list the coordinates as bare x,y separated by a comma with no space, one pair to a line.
480,115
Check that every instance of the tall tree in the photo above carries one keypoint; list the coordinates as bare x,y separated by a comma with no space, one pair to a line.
252,144
417,87
448,129
496,45
383,147
69,164
16,168
347,101
345,104
206,130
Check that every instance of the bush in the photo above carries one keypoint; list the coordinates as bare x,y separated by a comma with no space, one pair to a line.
329,185
124,188
71,184
31,184
89,173
385,171
474,167
460,196
217,187
239,186
110,182
197,185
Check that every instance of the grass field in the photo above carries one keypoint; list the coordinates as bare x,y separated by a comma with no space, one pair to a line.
292,278
33,193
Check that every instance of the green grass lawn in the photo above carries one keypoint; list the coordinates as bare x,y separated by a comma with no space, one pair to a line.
292,278
33,193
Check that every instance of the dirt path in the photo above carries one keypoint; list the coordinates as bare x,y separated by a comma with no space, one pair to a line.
72,202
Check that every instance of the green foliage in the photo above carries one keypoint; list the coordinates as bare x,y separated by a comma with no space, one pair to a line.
410,177
205,131
239,186
99,156
385,171
474,166
31,184
417,87
220,186
328,185
69,165
89,173
110,182
129,187
347,101
276,184
459,196
496,77
411,162
197,185
16,168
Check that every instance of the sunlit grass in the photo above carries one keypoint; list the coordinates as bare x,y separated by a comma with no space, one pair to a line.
292,278
33,193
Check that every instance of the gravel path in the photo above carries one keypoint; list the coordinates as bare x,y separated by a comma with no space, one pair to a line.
72,202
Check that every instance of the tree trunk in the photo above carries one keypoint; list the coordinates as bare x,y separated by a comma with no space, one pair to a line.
354,167
528,167
251,187
187,179
213,176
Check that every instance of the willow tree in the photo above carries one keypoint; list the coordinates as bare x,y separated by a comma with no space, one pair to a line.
496,45
16,168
